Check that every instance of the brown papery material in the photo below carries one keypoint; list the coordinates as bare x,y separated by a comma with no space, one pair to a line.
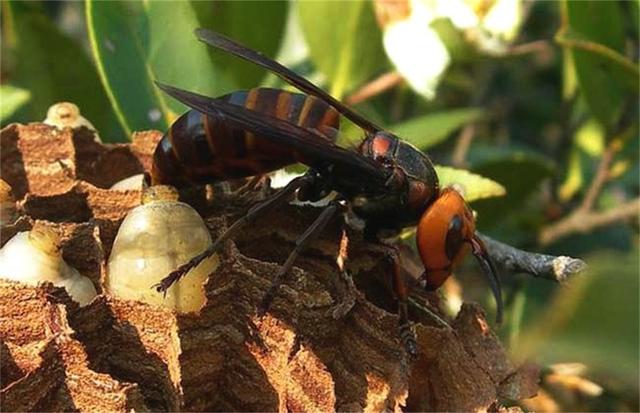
117,355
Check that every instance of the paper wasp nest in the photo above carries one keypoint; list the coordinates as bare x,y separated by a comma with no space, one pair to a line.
118,354
8,211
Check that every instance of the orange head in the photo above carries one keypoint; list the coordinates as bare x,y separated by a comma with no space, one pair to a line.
446,231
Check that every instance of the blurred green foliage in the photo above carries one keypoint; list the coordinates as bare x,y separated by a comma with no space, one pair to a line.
544,107
52,66
429,130
12,98
355,43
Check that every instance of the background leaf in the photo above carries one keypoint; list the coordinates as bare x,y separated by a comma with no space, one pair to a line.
257,24
55,68
133,38
123,67
344,42
475,186
429,130
521,174
601,79
12,99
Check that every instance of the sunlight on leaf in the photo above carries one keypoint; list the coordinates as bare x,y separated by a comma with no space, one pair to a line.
590,138
474,186
11,99
574,180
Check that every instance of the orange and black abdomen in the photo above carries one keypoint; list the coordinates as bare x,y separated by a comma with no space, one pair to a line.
202,149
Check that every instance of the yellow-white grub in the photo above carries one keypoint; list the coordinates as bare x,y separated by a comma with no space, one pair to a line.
154,239
132,183
8,211
34,257
67,115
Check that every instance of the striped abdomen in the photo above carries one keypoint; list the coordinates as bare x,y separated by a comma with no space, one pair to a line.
202,149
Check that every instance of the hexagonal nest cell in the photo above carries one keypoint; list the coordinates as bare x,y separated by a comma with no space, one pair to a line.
118,355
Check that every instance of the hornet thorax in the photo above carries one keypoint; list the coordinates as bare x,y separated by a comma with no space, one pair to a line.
411,188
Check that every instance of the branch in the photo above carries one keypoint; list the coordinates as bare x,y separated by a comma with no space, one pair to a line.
602,174
544,266
374,88
601,50
583,219
458,159
582,222
537,46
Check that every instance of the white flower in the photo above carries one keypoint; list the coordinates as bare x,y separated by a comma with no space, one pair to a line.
417,51
418,54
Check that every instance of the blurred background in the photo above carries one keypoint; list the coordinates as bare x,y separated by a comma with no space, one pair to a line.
541,97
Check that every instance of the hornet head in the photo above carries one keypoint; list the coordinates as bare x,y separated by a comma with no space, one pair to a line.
446,232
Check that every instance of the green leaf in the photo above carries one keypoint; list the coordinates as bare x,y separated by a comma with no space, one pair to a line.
574,180
12,99
430,130
123,66
136,43
590,138
521,173
603,72
239,20
473,186
344,42
588,144
53,68
634,7
569,77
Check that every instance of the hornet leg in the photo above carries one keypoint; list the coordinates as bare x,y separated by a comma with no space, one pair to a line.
345,287
313,230
257,187
407,335
279,197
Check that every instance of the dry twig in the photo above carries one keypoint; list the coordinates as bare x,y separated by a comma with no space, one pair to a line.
544,266
584,219
537,46
583,222
458,159
375,87
602,175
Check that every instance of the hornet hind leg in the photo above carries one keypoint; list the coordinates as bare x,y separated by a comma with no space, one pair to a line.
314,229
401,293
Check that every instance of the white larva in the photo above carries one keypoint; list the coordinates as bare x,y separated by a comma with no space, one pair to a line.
154,239
67,115
34,257
132,183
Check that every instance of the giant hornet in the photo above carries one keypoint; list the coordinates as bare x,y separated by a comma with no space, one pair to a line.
385,181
